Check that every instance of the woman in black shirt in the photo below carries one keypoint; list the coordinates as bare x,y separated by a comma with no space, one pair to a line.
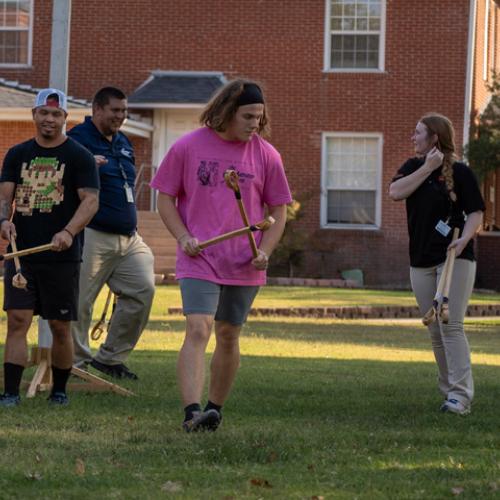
442,193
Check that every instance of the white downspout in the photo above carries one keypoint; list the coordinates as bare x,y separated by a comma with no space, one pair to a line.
469,75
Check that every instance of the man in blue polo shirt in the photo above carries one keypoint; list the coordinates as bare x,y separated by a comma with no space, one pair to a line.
113,252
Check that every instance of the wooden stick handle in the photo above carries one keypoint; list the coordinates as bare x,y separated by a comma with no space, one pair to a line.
262,226
451,263
27,251
17,263
231,178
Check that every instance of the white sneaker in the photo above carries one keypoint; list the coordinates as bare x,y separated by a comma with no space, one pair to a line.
455,406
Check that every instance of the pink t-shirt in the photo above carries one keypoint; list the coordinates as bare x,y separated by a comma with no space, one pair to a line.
193,172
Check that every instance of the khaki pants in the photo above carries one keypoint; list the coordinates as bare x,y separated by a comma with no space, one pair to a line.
125,263
450,345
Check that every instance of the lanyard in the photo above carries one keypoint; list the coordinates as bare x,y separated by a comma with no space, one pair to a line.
122,172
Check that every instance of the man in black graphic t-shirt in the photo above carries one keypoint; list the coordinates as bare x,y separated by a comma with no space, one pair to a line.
52,182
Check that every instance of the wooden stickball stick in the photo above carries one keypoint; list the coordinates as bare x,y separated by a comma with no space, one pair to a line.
431,314
263,225
18,280
442,292
98,329
27,251
444,312
231,178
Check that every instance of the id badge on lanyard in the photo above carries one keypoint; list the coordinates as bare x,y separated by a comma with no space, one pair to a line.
443,228
129,193
128,190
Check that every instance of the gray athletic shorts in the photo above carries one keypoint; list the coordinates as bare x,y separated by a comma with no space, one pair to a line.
225,302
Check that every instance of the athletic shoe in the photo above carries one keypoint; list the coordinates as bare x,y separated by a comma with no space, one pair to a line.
203,421
58,399
455,406
115,371
9,400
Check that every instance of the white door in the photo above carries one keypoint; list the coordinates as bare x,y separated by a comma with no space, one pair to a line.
170,124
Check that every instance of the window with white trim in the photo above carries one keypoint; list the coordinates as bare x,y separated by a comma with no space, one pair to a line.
355,35
15,32
352,165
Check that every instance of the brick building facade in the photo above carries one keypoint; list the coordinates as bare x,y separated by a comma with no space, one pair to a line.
346,81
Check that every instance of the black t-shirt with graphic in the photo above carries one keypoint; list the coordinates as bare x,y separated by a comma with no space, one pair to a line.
430,203
46,197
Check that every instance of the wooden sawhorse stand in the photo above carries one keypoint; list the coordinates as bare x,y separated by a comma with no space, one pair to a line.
42,379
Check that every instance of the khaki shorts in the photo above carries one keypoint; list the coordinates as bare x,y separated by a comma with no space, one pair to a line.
225,302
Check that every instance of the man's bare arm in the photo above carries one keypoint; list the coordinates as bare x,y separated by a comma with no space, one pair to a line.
89,204
7,190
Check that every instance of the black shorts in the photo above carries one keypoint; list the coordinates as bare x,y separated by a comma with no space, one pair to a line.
52,290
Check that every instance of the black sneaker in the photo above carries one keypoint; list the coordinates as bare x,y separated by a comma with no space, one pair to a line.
125,372
9,400
115,371
58,399
203,421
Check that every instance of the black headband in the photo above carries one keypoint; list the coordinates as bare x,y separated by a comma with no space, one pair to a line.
251,95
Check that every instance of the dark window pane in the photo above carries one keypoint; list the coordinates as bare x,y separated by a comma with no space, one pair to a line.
360,61
348,60
351,207
11,56
336,42
336,59
373,42
372,60
361,43
348,42
13,47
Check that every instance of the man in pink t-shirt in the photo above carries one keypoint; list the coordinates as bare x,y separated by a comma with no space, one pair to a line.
220,282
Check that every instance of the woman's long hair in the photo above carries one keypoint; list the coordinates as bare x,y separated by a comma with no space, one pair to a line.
222,107
441,126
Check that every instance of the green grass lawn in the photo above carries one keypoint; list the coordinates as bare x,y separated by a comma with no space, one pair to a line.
321,408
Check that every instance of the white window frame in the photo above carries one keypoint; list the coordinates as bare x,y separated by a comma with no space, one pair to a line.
28,63
324,189
328,44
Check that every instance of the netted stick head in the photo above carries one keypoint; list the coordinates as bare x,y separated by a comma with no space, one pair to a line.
266,223
19,281
444,314
231,177
429,317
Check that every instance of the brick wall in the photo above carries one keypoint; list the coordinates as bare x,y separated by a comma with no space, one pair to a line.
488,261
12,133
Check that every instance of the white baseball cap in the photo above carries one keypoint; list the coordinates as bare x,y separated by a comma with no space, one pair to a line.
51,97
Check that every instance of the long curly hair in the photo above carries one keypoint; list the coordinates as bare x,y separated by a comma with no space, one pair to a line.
222,107
441,126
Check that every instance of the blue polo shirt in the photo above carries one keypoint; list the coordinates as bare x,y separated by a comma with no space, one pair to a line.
116,214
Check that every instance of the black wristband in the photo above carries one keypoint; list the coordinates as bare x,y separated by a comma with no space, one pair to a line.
69,232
